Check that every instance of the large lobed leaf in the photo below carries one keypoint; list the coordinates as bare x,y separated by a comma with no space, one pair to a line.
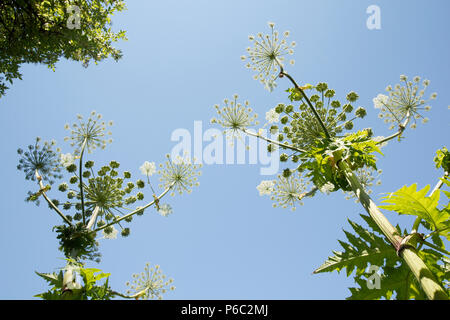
408,200
363,249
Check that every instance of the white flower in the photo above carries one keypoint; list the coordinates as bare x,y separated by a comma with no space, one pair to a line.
404,104
235,116
165,209
267,55
181,175
287,192
66,159
272,116
265,187
380,100
148,168
91,133
327,188
110,233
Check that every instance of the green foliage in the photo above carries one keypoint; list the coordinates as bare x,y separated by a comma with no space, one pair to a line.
442,159
396,282
409,201
357,149
365,248
147,285
89,290
77,241
44,31
303,128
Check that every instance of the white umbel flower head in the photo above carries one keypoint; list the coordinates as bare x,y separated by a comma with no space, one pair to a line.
150,284
404,103
66,159
91,134
267,55
181,174
380,100
148,168
272,116
235,116
265,187
289,191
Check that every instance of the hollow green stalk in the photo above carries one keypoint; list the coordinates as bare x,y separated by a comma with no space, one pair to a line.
424,276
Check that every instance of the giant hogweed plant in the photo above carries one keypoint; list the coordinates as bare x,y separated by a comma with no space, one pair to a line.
322,152
96,202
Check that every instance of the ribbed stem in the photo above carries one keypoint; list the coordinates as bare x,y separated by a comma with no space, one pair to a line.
424,276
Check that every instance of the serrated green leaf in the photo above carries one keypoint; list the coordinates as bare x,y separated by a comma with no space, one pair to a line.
364,249
395,282
54,279
409,201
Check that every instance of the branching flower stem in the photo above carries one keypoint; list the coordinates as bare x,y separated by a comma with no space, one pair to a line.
423,275
81,180
282,145
284,74
50,202
401,128
155,201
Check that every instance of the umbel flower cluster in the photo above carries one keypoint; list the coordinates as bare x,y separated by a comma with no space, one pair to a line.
267,55
42,159
297,125
315,129
235,116
150,284
405,103
93,133
103,198
286,191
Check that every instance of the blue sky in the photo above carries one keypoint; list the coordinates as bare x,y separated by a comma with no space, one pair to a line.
223,241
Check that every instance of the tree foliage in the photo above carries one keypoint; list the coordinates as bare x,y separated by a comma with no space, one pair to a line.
44,31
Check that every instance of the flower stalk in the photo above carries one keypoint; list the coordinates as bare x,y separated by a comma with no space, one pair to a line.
156,200
81,180
50,202
423,275
284,74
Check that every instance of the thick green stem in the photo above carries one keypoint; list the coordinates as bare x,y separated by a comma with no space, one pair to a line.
424,276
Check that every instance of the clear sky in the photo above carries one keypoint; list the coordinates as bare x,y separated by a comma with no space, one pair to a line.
223,241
